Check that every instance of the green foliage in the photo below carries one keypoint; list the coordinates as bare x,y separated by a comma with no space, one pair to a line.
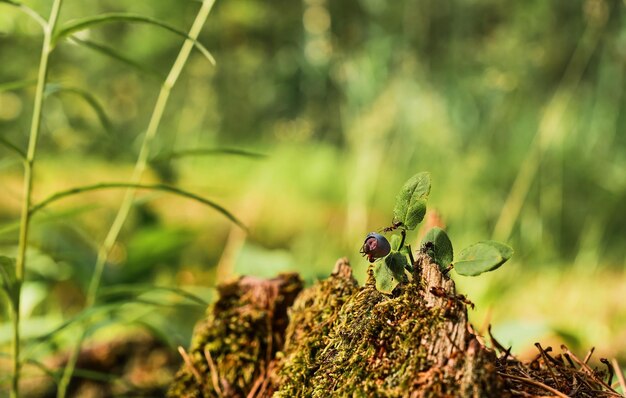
389,271
411,201
482,257
13,275
438,246
408,212
395,241
10,285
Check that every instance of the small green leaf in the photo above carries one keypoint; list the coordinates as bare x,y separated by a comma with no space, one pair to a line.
389,272
411,201
8,278
439,247
395,241
482,257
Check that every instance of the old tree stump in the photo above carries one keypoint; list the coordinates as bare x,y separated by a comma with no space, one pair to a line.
267,338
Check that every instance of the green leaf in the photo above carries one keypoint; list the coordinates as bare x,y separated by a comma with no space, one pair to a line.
114,54
156,187
28,11
208,151
439,247
390,272
16,85
395,241
85,23
9,145
482,257
411,201
127,292
8,279
86,96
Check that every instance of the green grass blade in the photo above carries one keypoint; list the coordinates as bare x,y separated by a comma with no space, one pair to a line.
35,363
81,316
98,376
52,89
114,54
208,152
103,309
14,226
28,11
10,86
55,374
14,148
81,24
162,304
41,366
124,290
157,187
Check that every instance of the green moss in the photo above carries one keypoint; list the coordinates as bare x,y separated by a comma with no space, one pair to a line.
371,347
342,341
312,318
241,335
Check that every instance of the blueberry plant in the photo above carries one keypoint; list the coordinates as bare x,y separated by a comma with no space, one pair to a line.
393,258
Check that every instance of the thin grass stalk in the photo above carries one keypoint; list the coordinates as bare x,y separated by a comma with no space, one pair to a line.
140,166
29,163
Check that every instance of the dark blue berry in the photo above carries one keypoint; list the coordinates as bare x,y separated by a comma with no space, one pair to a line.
375,246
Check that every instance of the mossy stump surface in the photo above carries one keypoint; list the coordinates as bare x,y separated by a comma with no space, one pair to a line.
343,340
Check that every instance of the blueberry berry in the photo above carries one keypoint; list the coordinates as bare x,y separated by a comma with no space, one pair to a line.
375,246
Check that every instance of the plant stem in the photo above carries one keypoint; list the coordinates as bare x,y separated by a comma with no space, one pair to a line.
403,233
140,166
29,163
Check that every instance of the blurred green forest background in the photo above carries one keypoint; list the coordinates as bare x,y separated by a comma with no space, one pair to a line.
516,108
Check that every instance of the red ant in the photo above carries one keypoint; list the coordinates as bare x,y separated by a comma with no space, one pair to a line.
395,225
438,291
